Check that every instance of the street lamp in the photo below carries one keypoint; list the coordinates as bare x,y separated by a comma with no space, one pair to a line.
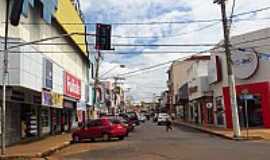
113,68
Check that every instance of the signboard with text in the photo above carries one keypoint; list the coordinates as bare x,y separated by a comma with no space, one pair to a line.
72,86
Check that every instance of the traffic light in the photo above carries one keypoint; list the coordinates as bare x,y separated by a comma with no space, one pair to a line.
103,36
16,12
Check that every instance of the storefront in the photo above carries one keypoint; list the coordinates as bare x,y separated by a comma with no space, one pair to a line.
72,95
251,74
56,112
257,106
183,101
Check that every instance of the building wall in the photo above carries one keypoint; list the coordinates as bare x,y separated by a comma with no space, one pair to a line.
261,75
73,62
179,75
263,72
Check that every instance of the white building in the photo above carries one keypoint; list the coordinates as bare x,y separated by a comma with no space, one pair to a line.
251,63
48,82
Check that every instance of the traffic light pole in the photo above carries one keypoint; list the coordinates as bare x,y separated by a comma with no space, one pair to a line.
96,79
231,80
5,73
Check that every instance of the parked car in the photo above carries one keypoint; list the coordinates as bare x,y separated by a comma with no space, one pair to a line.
162,118
133,117
100,128
128,119
120,120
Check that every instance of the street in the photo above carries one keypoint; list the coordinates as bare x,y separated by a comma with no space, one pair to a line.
152,142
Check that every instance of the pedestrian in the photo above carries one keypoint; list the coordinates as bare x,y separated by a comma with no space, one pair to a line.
168,125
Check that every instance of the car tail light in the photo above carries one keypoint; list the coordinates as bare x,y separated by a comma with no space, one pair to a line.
119,126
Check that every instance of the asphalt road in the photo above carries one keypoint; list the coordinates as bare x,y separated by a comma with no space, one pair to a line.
152,142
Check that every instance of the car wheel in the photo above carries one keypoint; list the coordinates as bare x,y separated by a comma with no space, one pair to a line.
122,138
76,139
158,123
106,137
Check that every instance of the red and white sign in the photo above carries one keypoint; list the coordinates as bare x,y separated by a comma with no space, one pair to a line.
72,86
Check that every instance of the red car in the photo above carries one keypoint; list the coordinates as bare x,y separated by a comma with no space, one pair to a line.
100,128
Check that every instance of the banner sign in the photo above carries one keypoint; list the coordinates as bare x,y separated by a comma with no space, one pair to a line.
47,74
57,100
46,98
72,86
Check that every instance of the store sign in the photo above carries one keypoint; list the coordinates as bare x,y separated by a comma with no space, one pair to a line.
48,10
214,70
245,64
57,100
46,98
72,86
47,74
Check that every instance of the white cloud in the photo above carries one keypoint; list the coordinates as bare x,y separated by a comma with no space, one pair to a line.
144,85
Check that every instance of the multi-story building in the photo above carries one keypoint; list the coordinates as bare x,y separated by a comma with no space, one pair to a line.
251,62
199,95
48,82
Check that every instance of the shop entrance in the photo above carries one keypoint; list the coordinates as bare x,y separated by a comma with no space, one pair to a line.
254,112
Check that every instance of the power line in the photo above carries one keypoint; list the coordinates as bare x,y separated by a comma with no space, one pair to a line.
132,45
151,52
158,22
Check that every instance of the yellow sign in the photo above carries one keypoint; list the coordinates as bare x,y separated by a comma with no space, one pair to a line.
57,100
67,16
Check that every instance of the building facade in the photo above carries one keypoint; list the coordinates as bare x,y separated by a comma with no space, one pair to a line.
48,84
251,62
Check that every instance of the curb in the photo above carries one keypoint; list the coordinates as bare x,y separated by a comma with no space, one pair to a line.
208,131
38,155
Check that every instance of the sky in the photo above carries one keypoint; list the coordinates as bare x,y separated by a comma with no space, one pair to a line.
144,85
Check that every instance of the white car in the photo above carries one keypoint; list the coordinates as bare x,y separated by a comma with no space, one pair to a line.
142,117
162,118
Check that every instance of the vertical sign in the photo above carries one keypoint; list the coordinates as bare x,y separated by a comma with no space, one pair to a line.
72,86
47,74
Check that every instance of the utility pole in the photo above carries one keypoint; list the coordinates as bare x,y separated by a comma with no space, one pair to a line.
5,73
231,80
96,79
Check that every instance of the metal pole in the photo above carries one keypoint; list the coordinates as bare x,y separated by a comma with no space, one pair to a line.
96,80
231,80
246,114
5,72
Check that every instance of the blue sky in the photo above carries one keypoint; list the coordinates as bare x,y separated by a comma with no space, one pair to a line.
117,11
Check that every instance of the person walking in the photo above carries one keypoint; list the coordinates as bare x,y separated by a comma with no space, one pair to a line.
168,125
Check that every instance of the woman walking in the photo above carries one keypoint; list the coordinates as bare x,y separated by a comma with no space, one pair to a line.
168,125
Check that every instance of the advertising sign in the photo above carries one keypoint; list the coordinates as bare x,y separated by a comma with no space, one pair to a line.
46,98
47,74
72,86
57,100
245,64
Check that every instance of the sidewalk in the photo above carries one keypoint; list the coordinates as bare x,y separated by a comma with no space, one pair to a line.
254,134
38,148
